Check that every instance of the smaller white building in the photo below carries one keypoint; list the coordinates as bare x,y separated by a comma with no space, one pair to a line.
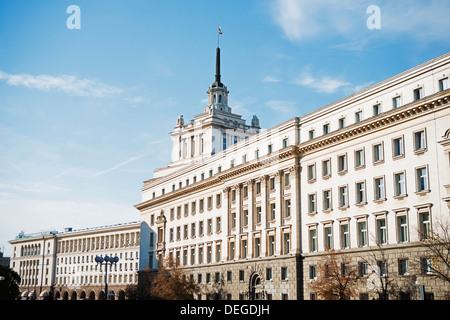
62,264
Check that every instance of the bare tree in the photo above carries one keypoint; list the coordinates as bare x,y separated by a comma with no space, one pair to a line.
337,278
170,283
437,243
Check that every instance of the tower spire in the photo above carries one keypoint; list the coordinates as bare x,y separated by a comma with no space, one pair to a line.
218,66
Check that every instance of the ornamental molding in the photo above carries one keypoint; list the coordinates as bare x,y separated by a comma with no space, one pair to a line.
385,120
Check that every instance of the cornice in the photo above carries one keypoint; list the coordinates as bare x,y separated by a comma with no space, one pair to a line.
220,178
387,119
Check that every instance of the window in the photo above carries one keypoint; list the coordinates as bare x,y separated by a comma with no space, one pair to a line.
233,220
245,223
425,225
268,273
272,211
345,238
256,154
269,149
312,273
400,185
396,102
285,142
402,228
312,203
326,168
271,245
243,248
422,179
312,172
342,163
328,238
257,248
341,123
362,233
443,84
381,231
398,149
218,226
379,188
376,109
378,154
418,94
231,250
359,158
200,228
363,269
403,267
258,188
419,140
358,116
327,200
343,196
311,134
426,265
209,226
258,214
286,243
361,192
382,267
312,240
272,184
284,274
326,128
287,179
287,208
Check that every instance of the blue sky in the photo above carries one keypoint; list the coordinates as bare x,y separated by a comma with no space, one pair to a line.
85,113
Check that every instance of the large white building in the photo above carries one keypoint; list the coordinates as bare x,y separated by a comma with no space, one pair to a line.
249,213
63,264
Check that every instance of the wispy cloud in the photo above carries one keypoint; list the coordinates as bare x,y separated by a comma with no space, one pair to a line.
270,79
282,106
117,166
302,19
324,84
64,83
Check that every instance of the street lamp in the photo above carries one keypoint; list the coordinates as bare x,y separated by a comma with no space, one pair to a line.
105,261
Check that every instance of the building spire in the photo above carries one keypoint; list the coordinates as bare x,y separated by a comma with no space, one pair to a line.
218,66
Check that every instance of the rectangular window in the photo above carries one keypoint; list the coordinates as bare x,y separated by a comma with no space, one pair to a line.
272,211
358,116
312,203
378,154
312,272
398,149
343,196
284,273
312,172
360,192
287,208
312,240
327,200
268,273
286,243
269,149
218,226
257,249
326,168
376,109
328,238
345,238
341,123
418,94
419,140
272,184
402,229
326,128
422,179
287,179
285,143
342,163
379,188
311,134
396,102
443,84
258,214
359,158
400,185
362,233
245,222
403,267
425,225
381,231
271,245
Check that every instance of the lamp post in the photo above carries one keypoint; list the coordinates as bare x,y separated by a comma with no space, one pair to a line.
105,261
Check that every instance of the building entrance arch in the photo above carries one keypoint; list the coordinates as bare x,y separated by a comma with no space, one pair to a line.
256,287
